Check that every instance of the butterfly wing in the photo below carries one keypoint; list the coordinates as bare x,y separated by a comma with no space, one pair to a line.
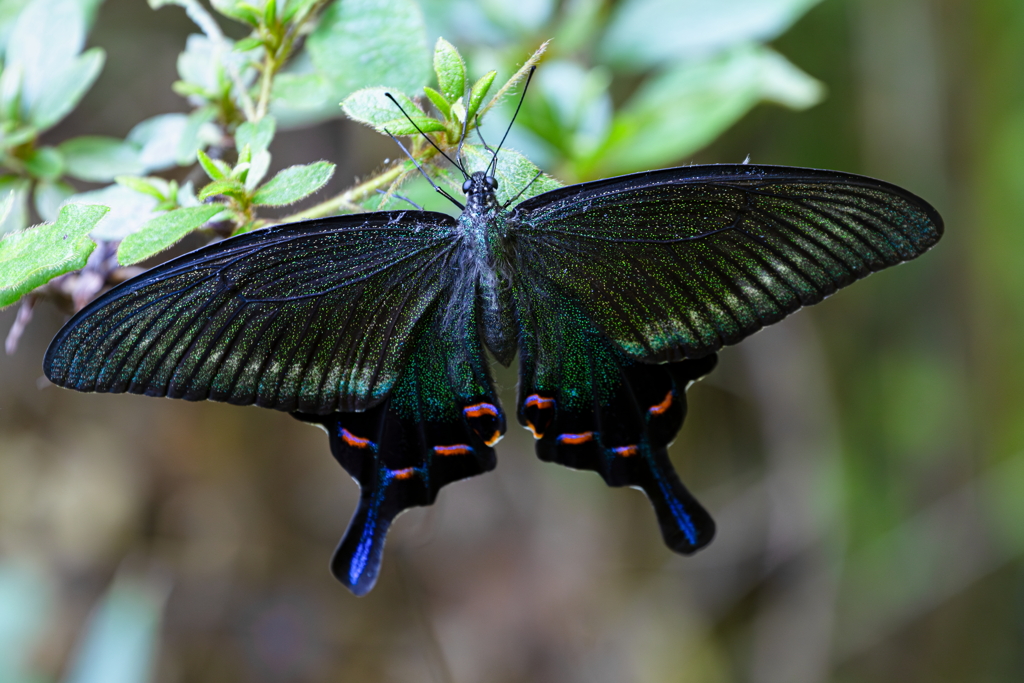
626,287
592,407
677,263
438,425
315,316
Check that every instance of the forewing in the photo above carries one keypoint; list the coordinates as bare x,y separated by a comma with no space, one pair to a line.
315,316
677,263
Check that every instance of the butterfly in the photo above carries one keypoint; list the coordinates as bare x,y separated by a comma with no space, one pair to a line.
615,294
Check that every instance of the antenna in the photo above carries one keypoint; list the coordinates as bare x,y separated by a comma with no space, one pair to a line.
520,193
427,137
494,159
453,200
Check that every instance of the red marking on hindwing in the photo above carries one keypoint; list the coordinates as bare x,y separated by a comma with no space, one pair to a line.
480,409
457,449
539,401
663,406
576,439
538,413
407,473
353,440
625,451
495,438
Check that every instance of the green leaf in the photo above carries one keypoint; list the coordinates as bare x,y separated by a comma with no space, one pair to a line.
236,10
45,163
293,7
98,159
439,101
31,258
515,173
572,109
129,211
9,11
17,136
362,42
257,135
215,168
683,109
160,141
198,133
49,196
226,186
146,186
66,89
163,232
46,41
10,92
450,69
371,107
644,33
246,44
294,183
357,44
258,167
15,190
479,92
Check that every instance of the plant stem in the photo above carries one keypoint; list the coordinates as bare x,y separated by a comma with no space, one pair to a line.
347,201
270,67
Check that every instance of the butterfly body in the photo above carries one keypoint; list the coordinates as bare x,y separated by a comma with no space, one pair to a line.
615,294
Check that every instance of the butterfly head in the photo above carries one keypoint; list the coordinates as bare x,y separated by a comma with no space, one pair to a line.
481,192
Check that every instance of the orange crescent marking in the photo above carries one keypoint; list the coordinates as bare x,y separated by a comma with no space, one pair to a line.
403,474
353,440
539,401
536,434
575,439
663,406
480,409
625,451
494,439
458,449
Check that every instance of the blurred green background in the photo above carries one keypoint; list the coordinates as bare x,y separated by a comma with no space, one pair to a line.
864,459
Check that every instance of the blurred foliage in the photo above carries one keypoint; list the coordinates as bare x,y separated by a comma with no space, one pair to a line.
865,460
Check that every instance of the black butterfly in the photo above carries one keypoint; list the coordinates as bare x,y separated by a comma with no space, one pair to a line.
615,293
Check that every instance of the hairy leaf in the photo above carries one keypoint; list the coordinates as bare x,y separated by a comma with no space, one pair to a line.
293,184
98,159
30,258
163,232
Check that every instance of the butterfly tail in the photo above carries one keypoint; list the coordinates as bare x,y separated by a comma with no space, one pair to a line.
356,560
400,462
685,525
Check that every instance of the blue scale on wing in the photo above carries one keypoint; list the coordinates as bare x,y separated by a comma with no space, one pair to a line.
591,407
438,425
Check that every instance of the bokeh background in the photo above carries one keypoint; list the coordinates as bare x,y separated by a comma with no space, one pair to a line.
864,459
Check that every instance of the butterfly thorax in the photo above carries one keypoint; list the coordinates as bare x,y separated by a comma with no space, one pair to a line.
483,226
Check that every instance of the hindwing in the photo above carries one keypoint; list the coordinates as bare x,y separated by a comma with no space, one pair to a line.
592,407
438,425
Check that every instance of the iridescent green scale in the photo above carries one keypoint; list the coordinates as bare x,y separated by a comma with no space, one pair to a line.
616,294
